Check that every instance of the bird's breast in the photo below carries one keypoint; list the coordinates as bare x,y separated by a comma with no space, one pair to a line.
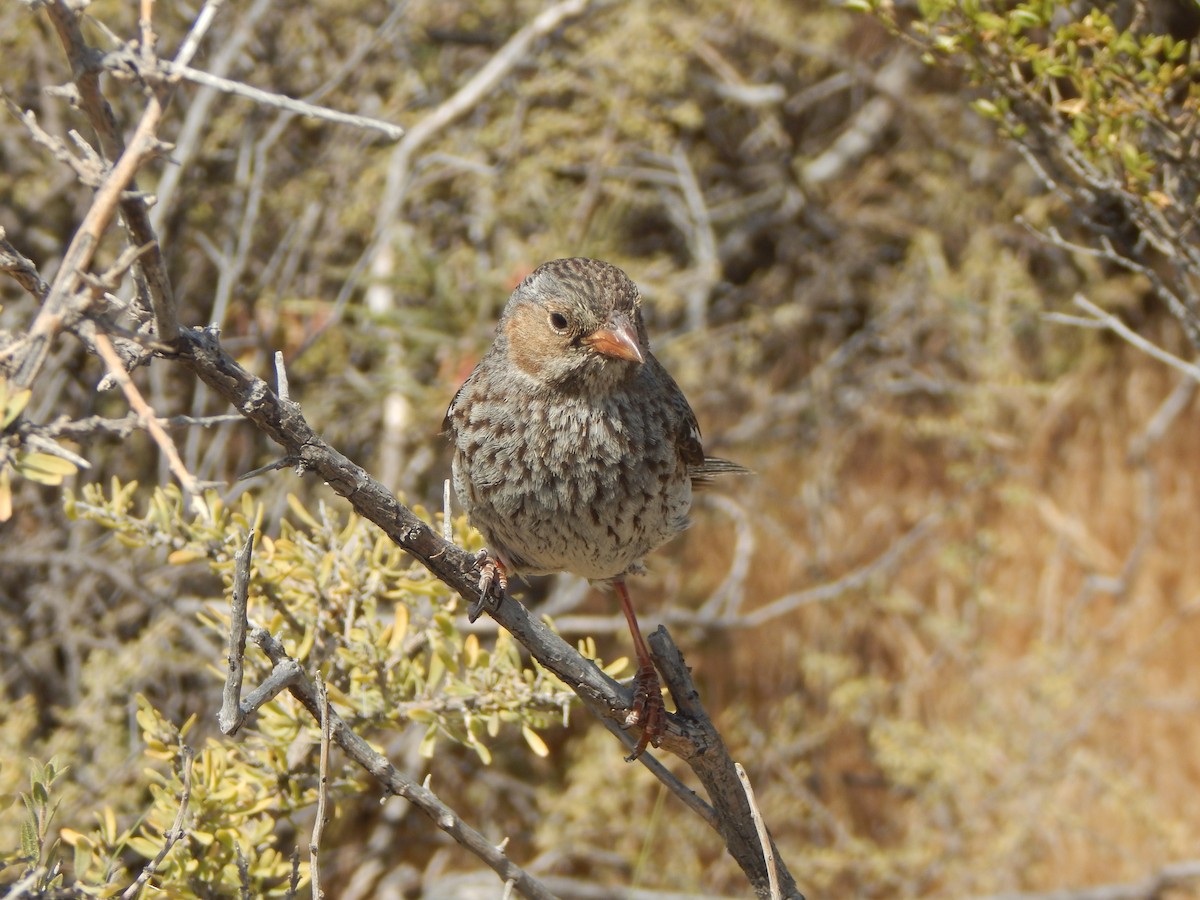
583,487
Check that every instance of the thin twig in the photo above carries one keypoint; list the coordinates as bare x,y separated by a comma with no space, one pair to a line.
763,836
702,241
89,172
21,268
281,378
61,308
1115,325
149,420
745,837
173,835
467,98
1168,411
92,426
314,845
458,104
191,42
230,717
690,798
199,111
121,61
825,592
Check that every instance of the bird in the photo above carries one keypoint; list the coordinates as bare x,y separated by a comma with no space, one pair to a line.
573,448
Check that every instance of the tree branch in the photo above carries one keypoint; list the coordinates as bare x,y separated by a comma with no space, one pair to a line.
690,735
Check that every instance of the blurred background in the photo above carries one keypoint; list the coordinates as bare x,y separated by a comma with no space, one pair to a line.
947,626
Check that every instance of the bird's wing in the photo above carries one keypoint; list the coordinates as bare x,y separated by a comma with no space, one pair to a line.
448,421
688,441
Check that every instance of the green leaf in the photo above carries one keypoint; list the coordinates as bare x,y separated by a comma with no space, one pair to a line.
29,841
44,468
11,403
535,742
6,507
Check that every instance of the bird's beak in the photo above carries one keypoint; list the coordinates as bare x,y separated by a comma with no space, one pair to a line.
618,338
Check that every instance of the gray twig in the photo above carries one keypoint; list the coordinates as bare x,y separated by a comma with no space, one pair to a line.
230,718
764,837
314,846
122,60
173,835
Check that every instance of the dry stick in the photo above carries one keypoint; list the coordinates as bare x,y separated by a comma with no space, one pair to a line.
693,739
386,774
745,837
707,619
854,580
314,845
276,101
230,717
150,422
89,172
21,268
764,837
702,241
172,836
1126,333
91,426
199,112
133,205
59,306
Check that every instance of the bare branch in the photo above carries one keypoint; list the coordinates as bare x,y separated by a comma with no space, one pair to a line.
149,421
718,773
314,845
230,717
764,838
21,268
61,305
1115,325
122,60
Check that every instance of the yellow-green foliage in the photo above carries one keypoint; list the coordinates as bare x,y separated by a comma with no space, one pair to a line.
345,601
44,468
1123,95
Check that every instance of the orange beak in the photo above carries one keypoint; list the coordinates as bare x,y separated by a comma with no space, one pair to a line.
617,338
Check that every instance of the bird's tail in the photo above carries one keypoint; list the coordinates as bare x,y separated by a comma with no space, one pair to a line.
713,466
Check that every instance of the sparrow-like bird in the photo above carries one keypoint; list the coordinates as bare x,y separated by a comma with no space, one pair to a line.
574,450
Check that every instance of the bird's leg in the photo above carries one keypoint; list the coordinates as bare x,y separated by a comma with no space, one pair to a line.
648,709
493,584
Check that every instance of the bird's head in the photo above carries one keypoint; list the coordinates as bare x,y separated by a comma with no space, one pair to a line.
575,325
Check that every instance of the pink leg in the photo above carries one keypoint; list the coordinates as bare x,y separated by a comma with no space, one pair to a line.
648,709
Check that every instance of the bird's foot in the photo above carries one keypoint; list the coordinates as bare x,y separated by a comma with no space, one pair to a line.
493,584
648,710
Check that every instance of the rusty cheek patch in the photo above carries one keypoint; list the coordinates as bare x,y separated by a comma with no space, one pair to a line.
528,350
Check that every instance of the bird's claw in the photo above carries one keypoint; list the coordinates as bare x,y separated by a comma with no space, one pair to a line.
648,711
493,584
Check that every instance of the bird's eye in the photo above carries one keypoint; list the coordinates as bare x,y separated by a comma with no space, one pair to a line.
558,322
